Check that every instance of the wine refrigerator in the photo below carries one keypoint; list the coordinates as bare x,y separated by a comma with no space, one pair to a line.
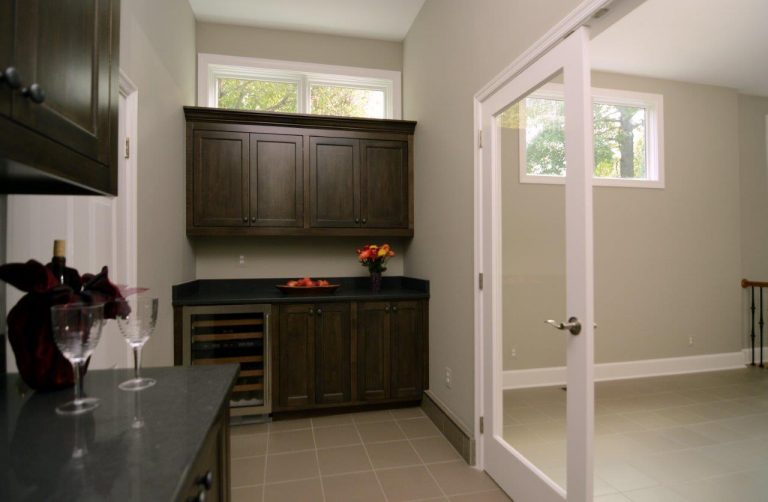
232,334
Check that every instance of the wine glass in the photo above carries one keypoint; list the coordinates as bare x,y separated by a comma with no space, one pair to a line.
136,319
76,331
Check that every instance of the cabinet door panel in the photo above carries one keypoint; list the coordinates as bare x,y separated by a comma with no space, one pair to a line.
407,350
277,181
64,46
373,368
332,353
384,177
6,52
220,179
296,351
334,182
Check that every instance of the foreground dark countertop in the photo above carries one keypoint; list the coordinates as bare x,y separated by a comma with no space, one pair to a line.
121,463
244,291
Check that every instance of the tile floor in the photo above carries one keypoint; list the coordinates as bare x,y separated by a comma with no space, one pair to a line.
700,437
394,456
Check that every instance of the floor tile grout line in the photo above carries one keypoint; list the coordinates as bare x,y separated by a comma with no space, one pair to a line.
439,486
266,459
370,460
317,459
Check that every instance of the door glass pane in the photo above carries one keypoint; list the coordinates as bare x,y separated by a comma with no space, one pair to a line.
533,284
260,95
345,101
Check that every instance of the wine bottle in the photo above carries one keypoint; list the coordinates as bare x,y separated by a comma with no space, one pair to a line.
58,265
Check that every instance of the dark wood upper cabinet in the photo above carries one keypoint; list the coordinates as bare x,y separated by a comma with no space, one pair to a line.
277,181
59,127
373,351
384,184
59,49
221,166
334,181
295,356
311,175
333,343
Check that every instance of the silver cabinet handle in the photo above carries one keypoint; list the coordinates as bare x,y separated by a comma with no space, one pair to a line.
573,325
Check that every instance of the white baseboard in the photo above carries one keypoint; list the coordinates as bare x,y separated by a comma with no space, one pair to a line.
748,355
540,377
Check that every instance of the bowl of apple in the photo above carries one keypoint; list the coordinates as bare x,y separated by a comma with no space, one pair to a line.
307,287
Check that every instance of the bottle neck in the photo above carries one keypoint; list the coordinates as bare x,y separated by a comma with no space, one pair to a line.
58,266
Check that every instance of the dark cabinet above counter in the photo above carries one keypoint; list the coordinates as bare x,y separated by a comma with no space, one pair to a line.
256,173
59,96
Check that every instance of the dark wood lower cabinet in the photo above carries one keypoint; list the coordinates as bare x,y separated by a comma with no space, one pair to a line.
294,356
407,349
348,354
333,343
373,327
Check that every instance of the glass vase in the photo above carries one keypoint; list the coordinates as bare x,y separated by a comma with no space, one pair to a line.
375,282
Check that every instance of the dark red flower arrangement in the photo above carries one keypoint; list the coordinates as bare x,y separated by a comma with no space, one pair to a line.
40,363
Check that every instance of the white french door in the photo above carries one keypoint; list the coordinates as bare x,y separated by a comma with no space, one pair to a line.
536,256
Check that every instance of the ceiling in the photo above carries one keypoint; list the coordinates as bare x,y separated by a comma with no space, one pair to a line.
378,19
716,42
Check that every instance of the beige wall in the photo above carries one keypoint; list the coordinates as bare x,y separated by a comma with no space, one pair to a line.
289,257
297,46
453,49
218,258
754,186
667,262
157,52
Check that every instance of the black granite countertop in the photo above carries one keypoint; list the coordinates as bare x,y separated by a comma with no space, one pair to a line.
244,291
121,463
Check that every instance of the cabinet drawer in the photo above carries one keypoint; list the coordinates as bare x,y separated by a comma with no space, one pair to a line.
208,479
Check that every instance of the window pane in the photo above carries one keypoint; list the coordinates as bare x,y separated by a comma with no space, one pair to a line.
619,134
619,141
346,101
261,95
545,136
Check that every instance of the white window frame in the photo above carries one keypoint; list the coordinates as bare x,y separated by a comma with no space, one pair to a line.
654,136
210,67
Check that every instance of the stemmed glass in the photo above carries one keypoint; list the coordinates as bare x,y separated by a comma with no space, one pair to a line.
76,331
136,320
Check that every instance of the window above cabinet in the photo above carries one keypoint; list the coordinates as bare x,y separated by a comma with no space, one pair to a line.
240,83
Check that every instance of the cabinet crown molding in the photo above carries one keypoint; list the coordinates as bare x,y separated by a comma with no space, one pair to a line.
222,115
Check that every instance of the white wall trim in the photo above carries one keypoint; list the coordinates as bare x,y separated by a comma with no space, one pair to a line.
207,63
748,355
540,377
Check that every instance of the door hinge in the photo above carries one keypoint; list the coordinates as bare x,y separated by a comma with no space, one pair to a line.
127,148
482,425
480,280
479,139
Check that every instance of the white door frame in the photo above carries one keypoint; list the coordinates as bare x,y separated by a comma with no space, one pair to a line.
585,14
129,178
513,471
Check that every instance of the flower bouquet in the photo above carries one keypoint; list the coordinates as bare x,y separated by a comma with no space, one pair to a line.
375,258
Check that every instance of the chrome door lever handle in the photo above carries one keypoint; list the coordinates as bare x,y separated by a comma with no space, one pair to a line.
573,325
